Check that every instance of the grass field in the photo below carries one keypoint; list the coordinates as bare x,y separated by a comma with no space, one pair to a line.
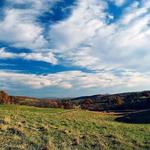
30,128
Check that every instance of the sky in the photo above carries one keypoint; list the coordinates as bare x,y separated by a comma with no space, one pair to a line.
69,48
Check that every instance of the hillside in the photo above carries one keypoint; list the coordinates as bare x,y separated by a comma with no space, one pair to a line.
24,127
121,101
132,100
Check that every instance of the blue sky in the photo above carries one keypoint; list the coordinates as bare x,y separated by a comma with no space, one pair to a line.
61,48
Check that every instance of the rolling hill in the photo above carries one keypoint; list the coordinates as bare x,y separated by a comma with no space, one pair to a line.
32,128
121,101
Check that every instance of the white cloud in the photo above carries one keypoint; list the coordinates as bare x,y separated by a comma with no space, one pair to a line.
36,6
86,18
119,2
19,29
45,56
76,79
71,38
135,12
124,44
85,40
4,54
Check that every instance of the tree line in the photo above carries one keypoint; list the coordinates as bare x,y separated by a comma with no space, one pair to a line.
134,100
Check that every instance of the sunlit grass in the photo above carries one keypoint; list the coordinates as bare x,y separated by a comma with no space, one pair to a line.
25,127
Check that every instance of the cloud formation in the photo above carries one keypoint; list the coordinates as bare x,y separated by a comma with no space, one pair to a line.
76,79
113,47
46,57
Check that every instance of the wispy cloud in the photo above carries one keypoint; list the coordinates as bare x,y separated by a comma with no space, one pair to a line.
118,44
76,79
38,56
87,38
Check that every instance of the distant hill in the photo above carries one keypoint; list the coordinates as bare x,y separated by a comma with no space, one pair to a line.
131,100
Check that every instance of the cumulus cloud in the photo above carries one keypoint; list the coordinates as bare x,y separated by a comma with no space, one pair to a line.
20,31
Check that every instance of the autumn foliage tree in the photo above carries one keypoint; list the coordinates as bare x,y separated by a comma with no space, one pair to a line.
87,104
4,98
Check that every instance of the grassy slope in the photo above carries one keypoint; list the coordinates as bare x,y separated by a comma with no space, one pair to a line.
32,128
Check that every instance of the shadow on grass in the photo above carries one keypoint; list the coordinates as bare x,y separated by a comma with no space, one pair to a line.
138,117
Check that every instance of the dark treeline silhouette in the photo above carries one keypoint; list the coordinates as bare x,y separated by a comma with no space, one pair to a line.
134,100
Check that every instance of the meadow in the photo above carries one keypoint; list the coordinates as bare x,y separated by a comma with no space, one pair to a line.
32,128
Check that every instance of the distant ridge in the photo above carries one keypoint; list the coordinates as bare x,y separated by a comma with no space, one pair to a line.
99,102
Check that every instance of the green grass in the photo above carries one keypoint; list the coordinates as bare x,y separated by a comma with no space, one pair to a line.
30,128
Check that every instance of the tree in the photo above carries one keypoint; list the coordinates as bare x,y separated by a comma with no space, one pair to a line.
119,101
4,98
